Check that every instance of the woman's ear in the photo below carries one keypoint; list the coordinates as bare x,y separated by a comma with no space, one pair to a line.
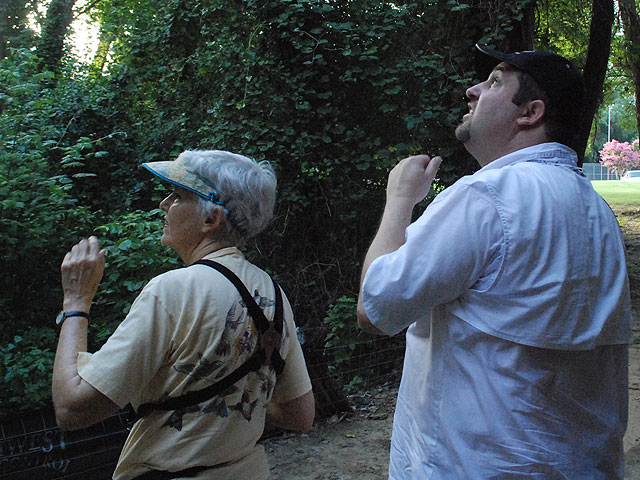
532,113
214,222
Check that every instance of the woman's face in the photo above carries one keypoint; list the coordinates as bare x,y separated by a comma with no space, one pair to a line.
182,224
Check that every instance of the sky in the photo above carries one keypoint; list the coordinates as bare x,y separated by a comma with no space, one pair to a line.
84,36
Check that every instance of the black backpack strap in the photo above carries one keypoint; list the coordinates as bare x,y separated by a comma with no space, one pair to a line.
198,396
254,309
267,350
165,475
270,337
277,362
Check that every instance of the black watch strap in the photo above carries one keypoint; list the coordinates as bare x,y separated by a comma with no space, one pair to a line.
62,316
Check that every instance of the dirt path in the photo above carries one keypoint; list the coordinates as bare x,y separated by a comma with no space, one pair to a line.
351,447
356,446
630,222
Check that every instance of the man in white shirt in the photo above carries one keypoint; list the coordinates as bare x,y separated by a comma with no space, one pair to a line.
514,287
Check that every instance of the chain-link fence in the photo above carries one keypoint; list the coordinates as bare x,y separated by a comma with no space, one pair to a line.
596,171
32,447
342,361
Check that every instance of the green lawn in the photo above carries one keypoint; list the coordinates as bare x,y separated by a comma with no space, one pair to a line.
618,193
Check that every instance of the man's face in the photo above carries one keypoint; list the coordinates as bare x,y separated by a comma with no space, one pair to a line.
491,122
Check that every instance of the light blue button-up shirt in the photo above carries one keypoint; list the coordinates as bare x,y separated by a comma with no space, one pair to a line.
514,287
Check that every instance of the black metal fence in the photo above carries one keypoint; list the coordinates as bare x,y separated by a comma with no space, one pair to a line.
32,447
366,363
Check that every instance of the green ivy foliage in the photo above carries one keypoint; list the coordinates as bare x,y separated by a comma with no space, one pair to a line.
26,370
134,255
333,93
40,215
343,333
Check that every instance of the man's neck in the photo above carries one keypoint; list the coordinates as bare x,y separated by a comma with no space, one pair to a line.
524,139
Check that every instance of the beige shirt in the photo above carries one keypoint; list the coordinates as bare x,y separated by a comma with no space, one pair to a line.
187,329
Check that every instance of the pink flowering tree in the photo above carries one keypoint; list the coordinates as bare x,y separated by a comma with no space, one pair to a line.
620,156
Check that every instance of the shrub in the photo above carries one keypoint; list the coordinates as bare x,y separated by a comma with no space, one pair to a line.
134,256
25,371
344,333
620,156
40,216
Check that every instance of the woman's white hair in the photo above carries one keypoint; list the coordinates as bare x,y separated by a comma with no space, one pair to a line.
247,189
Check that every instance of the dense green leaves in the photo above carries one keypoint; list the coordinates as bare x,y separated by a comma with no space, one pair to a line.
25,371
333,93
134,256
38,209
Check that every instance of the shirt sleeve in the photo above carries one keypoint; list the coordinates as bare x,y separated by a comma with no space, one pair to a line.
129,359
455,245
294,381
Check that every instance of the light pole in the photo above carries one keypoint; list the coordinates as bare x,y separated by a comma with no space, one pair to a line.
609,137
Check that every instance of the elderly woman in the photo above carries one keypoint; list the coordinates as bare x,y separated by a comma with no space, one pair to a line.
201,361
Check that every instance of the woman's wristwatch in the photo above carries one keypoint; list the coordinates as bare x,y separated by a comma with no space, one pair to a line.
62,316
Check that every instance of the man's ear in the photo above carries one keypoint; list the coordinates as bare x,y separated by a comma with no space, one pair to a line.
532,113
214,221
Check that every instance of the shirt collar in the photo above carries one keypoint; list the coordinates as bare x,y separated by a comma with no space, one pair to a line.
550,152
224,251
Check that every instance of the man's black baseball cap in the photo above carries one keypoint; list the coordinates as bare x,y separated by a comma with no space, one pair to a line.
556,75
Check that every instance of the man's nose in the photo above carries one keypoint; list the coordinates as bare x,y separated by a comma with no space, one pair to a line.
473,91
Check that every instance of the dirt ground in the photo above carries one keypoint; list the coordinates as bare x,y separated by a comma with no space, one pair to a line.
356,446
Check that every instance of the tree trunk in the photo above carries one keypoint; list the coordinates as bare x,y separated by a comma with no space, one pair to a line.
51,45
631,26
595,69
102,52
521,36
5,28
13,15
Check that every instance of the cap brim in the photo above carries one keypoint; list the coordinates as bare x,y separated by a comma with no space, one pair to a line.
170,171
487,58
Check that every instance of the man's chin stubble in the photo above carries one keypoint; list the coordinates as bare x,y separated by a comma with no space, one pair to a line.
462,133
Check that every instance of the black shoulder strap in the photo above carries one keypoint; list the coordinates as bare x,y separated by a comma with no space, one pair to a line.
254,309
267,350
270,337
